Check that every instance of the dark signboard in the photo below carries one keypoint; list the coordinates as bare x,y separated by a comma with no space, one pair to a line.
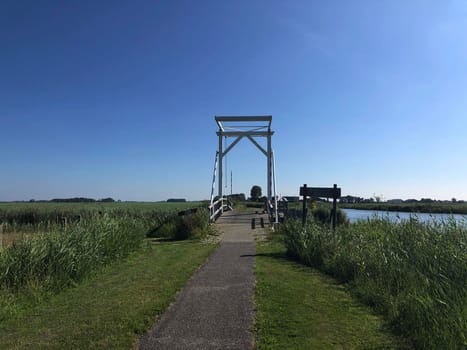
321,192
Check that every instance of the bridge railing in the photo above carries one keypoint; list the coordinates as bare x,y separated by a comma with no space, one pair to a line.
216,208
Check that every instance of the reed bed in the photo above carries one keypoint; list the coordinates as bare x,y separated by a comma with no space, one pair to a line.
63,254
42,217
414,273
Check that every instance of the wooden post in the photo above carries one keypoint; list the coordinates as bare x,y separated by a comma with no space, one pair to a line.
304,206
334,208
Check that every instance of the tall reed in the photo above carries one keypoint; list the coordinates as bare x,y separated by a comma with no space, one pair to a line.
413,272
64,256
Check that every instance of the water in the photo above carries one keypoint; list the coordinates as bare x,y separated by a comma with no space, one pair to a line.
358,214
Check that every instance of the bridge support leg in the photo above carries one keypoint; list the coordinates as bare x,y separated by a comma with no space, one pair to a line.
221,157
269,173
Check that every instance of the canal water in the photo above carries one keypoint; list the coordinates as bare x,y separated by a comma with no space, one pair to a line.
358,214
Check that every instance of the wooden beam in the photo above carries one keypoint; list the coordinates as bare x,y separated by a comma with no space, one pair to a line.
263,118
258,145
245,133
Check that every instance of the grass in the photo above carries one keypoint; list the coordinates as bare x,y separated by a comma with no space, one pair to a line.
413,273
300,308
111,309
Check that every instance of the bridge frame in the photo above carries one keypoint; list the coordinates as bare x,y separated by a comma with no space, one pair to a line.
249,127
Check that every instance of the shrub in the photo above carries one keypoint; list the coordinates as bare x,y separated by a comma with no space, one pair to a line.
323,215
192,226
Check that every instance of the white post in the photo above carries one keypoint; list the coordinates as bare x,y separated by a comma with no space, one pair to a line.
211,208
274,176
269,174
221,156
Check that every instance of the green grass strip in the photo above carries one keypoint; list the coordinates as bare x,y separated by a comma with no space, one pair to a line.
299,308
112,309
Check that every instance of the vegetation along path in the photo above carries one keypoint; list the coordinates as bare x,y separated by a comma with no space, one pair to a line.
293,307
215,310
300,308
109,310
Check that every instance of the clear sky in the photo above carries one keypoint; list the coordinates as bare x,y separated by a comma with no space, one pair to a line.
118,98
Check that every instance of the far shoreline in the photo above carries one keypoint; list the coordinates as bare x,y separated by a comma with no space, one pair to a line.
428,208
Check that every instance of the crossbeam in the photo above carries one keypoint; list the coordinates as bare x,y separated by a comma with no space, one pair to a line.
232,145
245,133
257,145
263,118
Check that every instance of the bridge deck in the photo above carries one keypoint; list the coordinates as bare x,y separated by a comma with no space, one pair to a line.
215,309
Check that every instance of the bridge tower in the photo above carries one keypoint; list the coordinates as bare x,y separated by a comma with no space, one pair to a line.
250,127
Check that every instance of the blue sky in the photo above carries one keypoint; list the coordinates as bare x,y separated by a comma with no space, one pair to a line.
118,98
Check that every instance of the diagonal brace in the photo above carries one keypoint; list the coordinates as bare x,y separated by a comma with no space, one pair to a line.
257,145
231,146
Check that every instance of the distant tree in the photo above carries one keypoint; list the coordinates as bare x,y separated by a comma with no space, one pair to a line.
73,200
350,199
255,192
368,200
107,200
176,200
240,197
426,200
453,200
411,201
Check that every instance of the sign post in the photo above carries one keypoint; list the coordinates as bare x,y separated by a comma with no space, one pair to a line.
303,192
334,207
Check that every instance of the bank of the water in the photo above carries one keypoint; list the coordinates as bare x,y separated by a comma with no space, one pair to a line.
434,207
355,215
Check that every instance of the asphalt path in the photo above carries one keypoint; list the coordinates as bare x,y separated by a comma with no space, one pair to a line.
215,310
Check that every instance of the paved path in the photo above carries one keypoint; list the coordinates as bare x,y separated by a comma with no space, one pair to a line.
215,309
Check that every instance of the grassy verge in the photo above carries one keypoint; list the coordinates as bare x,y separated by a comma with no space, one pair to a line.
110,310
412,272
58,259
299,308
62,257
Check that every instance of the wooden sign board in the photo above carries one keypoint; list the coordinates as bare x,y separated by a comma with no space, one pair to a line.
321,192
